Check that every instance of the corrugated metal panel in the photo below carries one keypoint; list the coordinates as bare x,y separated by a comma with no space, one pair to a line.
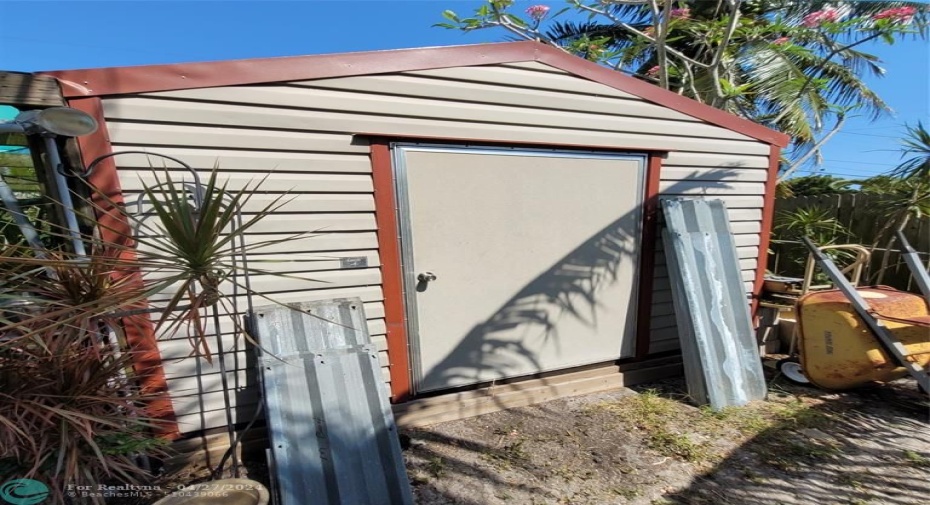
721,357
331,428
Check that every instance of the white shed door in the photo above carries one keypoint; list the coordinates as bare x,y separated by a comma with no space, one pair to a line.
535,255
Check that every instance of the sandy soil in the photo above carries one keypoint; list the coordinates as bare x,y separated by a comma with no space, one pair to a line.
650,446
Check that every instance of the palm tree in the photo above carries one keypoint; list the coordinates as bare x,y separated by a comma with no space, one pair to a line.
905,189
917,151
792,81
813,185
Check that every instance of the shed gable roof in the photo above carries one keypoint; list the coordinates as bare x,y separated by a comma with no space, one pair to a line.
152,78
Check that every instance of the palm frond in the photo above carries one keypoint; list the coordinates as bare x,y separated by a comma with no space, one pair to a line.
916,152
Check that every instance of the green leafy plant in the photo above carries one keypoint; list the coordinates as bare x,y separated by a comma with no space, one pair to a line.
813,185
70,412
191,248
905,192
794,66
916,153
815,223
71,409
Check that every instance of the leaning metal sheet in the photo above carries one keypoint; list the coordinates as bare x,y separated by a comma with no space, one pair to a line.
722,363
332,433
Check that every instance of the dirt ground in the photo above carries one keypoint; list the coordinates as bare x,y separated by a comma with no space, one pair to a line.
650,446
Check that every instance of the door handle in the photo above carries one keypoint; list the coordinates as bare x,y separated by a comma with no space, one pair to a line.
426,277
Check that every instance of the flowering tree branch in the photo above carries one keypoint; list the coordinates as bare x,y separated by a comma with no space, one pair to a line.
716,62
748,61
621,24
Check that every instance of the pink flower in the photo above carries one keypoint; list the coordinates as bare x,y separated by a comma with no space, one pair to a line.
537,12
682,13
781,41
649,31
901,15
815,19
652,72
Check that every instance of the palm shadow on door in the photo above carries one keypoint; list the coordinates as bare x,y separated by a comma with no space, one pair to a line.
571,288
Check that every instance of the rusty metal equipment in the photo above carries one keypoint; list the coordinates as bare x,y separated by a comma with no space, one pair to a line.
851,336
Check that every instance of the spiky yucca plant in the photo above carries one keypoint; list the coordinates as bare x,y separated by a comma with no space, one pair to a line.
813,222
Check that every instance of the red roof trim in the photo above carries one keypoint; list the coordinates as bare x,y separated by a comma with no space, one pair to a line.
152,78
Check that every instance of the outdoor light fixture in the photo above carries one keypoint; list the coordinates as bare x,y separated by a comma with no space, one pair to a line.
50,123
60,121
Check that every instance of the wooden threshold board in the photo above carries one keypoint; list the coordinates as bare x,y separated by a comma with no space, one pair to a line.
461,405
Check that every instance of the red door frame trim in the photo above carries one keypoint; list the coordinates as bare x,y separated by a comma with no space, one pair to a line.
647,254
768,217
392,272
392,279
140,333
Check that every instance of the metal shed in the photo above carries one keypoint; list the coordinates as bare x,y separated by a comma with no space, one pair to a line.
496,204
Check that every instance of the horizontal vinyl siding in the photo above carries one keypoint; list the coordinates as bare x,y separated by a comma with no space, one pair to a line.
322,182
305,135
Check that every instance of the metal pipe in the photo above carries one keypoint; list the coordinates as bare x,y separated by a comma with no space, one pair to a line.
64,195
224,381
920,274
11,127
198,195
25,226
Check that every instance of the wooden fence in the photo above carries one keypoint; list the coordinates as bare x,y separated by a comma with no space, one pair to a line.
861,215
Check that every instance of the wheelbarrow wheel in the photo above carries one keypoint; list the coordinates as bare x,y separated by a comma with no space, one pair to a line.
791,369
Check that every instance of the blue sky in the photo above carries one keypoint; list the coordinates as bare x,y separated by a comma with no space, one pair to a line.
76,34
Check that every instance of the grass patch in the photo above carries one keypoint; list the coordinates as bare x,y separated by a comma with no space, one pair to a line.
654,414
749,420
753,477
914,459
848,480
678,445
510,454
797,415
436,467
626,492
771,425
790,454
